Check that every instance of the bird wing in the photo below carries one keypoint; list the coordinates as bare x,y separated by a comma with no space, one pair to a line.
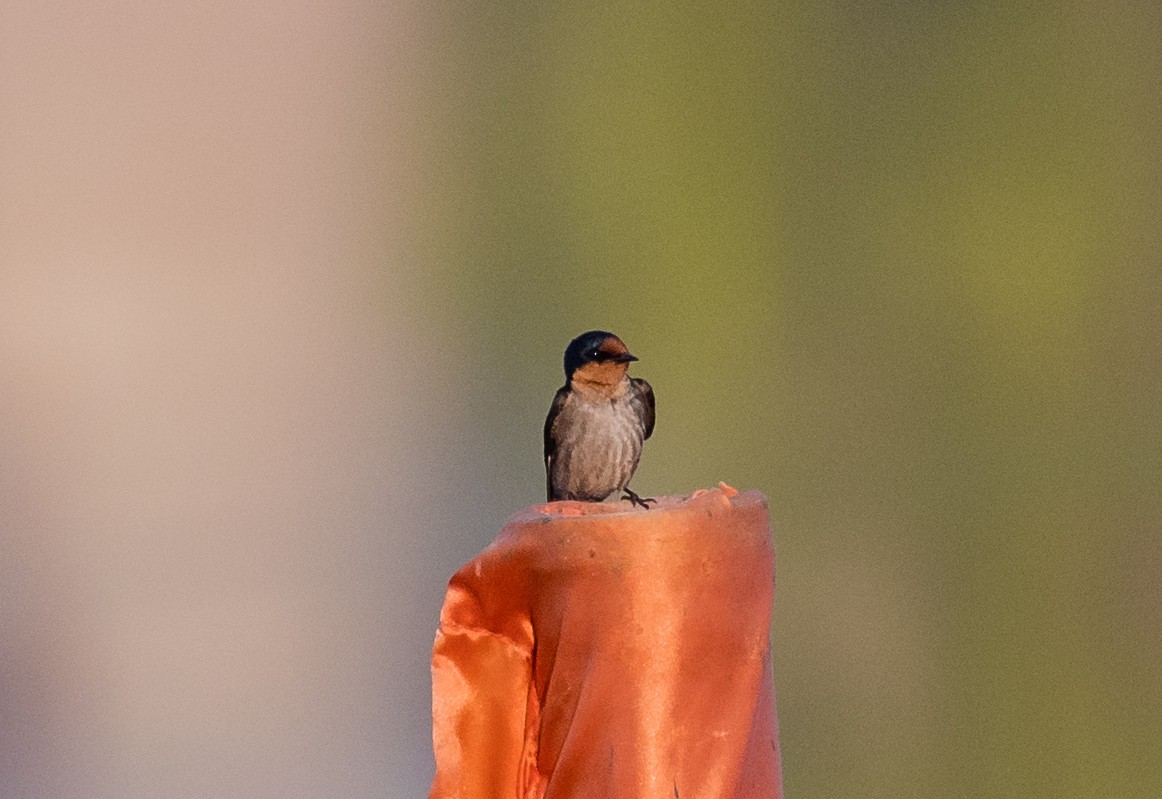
645,394
550,442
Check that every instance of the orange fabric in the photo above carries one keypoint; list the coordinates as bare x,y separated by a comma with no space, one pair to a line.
595,652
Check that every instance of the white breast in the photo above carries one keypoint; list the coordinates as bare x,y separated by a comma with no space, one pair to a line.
599,443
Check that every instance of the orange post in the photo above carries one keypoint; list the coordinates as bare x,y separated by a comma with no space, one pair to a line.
596,651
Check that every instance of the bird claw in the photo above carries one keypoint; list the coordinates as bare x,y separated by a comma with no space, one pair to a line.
635,500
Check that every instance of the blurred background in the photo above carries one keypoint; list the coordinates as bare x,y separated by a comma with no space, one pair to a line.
284,289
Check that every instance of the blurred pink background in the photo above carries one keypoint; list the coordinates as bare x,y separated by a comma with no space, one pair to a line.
211,501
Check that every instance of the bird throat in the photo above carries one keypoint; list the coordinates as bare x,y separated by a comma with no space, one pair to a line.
606,380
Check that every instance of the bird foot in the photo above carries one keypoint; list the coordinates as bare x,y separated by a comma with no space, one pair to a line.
635,500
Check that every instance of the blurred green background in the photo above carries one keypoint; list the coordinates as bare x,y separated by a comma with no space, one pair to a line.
285,292
899,266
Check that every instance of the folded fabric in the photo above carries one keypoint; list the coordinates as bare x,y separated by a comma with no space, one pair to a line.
592,651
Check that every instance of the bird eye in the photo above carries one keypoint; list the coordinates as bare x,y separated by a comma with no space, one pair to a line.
593,354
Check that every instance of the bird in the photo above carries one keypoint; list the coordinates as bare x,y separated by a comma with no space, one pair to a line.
597,423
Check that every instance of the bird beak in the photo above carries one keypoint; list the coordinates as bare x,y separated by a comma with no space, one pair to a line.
625,357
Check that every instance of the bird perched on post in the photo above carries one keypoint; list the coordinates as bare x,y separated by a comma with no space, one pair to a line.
597,423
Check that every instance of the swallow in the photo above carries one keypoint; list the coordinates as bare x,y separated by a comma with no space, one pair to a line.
598,422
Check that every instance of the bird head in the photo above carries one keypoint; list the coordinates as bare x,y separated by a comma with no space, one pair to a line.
597,357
